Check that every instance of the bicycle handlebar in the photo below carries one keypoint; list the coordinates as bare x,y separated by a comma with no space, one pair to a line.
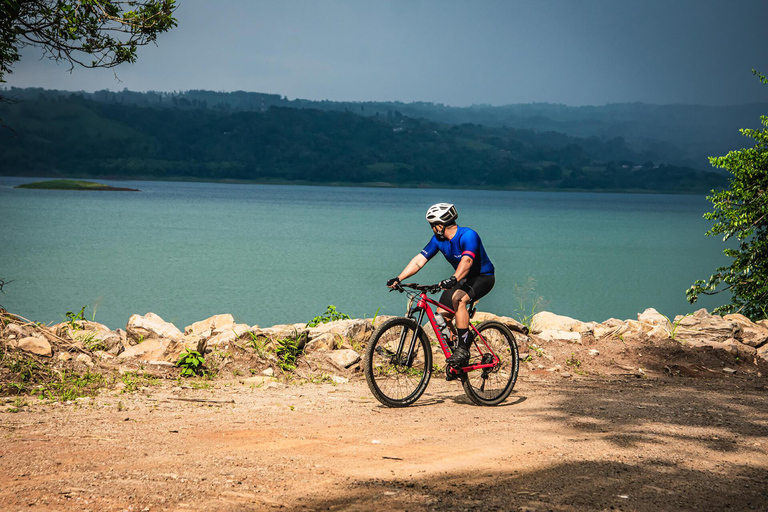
429,288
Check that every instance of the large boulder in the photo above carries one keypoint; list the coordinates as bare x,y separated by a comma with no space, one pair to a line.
513,324
216,323
154,349
701,327
546,321
652,317
150,326
554,334
752,334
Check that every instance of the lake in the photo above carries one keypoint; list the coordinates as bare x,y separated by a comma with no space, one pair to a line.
272,254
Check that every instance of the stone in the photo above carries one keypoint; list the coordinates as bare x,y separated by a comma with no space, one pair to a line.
513,324
64,356
553,334
268,372
352,330
151,326
13,330
752,334
652,317
214,323
84,359
546,321
594,352
35,345
158,349
703,327
283,330
344,358
336,379
229,335
658,332
380,319
322,343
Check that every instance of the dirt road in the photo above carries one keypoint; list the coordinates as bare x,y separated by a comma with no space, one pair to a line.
556,444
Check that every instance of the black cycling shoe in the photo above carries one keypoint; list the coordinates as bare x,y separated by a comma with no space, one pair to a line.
459,358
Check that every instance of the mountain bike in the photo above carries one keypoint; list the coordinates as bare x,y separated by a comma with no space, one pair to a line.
398,359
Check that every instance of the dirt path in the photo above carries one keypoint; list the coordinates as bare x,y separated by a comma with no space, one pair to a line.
557,444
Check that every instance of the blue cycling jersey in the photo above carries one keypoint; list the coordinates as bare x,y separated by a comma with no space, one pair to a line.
466,242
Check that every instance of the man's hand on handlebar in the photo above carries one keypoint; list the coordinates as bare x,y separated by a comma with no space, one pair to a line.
394,283
449,283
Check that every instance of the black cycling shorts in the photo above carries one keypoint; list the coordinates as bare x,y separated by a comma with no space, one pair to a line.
476,287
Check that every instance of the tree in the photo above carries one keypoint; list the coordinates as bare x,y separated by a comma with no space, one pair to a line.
741,211
89,33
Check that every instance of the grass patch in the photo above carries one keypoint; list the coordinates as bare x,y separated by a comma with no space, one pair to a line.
73,185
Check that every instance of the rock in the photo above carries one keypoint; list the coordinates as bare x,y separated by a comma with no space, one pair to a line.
762,352
214,323
64,356
729,370
352,330
380,319
344,358
593,352
658,332
513,324
165,349
702,327
84,359
229,335
553,334
322,343
150,326
652,317
268,372
546,321
283,330
752,334
35,345
13,331
336,379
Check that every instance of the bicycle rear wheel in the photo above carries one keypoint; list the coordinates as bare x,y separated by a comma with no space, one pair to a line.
395,379
491,386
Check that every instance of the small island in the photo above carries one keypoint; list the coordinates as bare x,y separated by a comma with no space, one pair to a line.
74,185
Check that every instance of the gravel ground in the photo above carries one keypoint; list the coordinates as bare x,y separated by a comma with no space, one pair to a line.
592,442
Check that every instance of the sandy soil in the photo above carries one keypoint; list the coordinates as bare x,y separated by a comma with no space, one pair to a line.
610,442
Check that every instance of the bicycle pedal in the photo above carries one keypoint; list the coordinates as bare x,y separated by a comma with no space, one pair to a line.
451,375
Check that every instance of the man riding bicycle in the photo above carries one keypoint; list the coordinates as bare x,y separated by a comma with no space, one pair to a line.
473,276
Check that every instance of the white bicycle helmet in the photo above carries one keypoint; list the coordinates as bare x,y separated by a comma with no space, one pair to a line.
442,213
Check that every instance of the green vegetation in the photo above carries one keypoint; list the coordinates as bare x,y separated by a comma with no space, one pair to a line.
73,318
90,33
741,213
330,315
158,136
287,351
73,185
528,303
192,363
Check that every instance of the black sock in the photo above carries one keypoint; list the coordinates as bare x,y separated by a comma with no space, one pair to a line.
464,338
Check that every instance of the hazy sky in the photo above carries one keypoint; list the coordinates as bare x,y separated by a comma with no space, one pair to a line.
576,52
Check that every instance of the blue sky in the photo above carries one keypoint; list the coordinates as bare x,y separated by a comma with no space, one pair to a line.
575,52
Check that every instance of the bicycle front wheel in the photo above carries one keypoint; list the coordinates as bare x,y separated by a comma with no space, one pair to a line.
491,386
398,362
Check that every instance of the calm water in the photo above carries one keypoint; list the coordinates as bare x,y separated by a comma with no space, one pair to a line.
279,254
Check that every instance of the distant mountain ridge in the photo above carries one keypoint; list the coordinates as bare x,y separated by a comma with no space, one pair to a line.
683,135
250,137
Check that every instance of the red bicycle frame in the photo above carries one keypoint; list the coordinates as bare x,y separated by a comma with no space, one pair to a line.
422,305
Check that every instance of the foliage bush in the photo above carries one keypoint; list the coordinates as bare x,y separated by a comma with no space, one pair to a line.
741,213
330,315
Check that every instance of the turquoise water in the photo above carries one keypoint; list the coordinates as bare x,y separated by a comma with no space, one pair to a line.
276,254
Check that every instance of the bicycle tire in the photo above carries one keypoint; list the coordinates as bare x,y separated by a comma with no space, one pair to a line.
501,378
393,383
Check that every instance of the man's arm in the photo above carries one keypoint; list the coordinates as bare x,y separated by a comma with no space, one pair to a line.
414,266
462,269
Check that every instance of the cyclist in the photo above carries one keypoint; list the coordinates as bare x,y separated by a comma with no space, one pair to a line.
473,276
